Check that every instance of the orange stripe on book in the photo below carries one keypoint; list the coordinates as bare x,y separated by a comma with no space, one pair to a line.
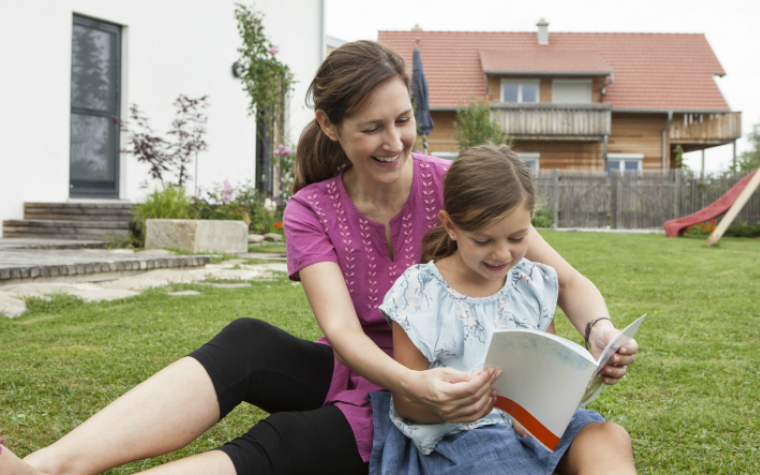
531,424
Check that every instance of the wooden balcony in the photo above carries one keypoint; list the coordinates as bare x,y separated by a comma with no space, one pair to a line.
696,130
547,121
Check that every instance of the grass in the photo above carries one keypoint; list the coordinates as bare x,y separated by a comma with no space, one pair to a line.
691,402
272,248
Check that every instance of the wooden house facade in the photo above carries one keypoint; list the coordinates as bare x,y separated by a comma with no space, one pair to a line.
580,101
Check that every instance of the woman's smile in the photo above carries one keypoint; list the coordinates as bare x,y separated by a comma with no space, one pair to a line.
386,159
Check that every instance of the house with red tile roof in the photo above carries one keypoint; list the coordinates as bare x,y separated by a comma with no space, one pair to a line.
582,101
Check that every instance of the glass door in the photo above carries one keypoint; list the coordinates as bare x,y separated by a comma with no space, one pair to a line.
95,91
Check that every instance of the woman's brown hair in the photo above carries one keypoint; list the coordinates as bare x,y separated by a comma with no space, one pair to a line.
482,185
344,83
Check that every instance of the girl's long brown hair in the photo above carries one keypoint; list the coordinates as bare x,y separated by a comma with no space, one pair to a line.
482,185
344,83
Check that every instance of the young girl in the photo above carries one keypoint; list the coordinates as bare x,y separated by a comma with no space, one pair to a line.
474,279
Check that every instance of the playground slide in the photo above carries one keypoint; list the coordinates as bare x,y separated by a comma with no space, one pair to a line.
676,227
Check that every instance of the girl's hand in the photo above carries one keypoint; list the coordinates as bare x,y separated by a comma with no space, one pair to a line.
601,334
455,395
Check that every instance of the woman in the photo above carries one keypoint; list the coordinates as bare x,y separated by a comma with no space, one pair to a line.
349,236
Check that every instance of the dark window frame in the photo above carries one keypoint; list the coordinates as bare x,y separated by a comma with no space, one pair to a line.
89,188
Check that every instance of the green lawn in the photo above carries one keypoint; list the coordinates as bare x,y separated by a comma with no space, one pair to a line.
272,247
691,402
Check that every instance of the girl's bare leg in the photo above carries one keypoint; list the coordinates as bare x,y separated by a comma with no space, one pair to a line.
162,414
602,448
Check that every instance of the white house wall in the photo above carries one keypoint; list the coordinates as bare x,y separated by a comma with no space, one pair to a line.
168,47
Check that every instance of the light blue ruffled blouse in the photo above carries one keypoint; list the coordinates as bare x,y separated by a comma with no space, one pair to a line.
452,330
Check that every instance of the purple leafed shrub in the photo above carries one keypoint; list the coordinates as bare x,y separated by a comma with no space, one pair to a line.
169,158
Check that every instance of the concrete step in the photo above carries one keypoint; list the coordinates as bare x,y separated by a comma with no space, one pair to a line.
90,230
78,211
24,265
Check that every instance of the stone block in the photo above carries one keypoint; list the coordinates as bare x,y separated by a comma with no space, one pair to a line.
273,237
255,238
11,307
195,235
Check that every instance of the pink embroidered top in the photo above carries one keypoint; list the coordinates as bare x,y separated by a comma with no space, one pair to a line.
323,225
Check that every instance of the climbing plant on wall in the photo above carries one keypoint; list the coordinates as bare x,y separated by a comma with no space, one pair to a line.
266,80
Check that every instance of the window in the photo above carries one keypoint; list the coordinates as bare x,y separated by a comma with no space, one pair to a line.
520,91
446,155
95,103
571,91
532,160
626,163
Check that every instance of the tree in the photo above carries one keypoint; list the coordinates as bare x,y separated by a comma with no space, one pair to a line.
167,157
474,126
749,160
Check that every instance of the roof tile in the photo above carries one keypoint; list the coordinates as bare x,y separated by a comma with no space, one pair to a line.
652,70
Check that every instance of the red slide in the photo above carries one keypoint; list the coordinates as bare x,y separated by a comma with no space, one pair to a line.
676,227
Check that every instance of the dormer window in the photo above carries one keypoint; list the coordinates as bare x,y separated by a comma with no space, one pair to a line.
526,90
571,91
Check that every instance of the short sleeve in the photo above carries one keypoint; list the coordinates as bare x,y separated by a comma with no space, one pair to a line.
545,287
306,240
412,302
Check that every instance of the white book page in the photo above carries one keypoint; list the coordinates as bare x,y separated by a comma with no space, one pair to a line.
545,374
596,384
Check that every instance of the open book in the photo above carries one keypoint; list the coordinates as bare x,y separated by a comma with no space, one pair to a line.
547,378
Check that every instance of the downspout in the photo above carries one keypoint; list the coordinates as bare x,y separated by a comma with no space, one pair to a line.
322,39
604,87
664,140
605,139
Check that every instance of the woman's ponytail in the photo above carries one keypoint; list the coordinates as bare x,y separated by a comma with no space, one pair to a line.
317,157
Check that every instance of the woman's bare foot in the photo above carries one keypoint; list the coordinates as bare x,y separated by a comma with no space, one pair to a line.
10,464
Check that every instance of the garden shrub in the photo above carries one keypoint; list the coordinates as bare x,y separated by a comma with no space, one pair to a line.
703,230
169,203
542,218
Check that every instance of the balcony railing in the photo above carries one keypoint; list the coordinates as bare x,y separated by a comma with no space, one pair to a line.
705,128
547,119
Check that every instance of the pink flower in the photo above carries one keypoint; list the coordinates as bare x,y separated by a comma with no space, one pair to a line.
273,51
227,193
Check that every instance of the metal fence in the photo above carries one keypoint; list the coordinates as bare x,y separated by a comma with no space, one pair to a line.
636,201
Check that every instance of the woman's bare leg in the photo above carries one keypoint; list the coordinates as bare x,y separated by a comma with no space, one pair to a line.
164,413
10,464
602,448
214,462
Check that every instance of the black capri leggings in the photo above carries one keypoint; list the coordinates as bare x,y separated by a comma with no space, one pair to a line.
253,361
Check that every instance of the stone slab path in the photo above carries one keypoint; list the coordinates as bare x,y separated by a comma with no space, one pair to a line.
12,296
20,265
40,267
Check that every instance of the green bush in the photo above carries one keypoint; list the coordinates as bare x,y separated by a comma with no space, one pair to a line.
262,214
245,202
743,230
703,230
169,203
542,218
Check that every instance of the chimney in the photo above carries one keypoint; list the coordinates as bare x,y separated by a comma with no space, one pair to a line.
543,32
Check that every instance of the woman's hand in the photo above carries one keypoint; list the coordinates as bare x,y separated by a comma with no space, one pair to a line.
601,334
454,395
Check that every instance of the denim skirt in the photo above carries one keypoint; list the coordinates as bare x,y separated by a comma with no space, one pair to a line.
493,449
